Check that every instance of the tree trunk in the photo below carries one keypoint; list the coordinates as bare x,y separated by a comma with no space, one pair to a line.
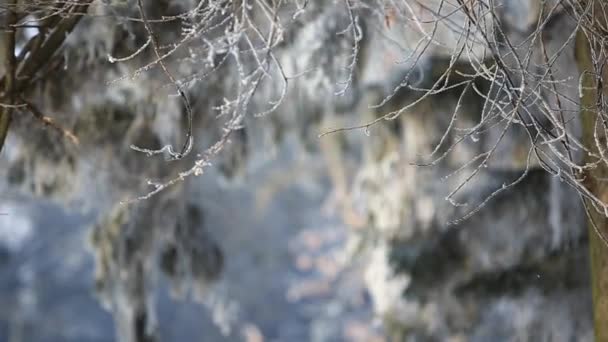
9,59
591,89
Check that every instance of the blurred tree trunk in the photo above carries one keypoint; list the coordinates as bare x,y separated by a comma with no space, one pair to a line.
8,55
589,50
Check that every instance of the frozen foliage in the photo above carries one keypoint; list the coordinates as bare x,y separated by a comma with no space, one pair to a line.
447,110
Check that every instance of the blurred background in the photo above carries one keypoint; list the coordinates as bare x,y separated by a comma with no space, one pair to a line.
275,231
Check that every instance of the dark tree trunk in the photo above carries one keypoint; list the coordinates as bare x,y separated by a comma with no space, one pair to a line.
586,52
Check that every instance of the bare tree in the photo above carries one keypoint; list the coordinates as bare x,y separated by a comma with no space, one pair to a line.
255,58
